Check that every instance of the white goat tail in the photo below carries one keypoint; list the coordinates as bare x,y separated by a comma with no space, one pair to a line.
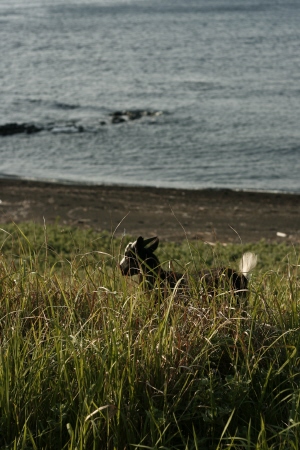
247,263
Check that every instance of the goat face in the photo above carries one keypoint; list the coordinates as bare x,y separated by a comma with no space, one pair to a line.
136,253
129,264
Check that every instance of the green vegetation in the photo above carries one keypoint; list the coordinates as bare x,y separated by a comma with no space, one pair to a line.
90,361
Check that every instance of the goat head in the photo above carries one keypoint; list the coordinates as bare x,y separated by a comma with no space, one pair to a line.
137,252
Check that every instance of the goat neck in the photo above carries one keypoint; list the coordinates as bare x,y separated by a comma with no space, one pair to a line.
151,269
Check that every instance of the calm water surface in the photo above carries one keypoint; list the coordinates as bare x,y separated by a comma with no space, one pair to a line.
219,80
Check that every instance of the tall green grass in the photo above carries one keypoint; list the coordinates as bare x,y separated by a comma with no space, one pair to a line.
88,360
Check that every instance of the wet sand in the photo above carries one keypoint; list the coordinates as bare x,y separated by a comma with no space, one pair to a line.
172,214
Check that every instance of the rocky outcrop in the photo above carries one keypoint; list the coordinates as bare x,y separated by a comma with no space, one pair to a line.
117,117
134,114
9,129
16,128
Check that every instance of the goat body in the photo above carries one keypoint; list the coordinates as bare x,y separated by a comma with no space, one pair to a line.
139,259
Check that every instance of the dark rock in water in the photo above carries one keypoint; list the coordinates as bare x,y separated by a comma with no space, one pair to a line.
134,114
118,113
29,129
118,119
15,128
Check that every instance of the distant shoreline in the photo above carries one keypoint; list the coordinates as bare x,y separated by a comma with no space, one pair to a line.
141,186
223,215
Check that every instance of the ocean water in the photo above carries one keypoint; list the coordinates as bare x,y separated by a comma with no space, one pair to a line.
214,86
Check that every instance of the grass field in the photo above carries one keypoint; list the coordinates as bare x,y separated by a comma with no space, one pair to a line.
88,360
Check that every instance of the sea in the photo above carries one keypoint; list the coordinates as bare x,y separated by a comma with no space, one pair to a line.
189,94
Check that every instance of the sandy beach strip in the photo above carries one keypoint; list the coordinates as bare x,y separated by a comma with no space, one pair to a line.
172,214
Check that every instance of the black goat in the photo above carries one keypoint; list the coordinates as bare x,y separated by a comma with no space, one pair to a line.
139,259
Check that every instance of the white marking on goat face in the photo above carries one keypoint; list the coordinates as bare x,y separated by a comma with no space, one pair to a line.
129,264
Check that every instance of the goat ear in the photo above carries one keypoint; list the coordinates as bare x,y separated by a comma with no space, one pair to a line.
140,242
154,245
